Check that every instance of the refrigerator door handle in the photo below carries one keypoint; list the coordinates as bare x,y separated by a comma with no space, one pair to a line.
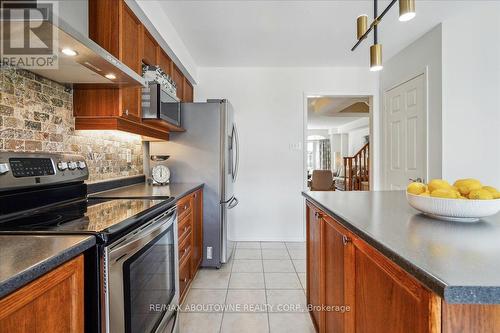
236,146
233,203
227,201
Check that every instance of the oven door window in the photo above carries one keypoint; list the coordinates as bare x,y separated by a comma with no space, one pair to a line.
149,284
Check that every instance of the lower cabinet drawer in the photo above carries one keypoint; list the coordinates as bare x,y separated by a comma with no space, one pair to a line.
185,248
184,277
185,227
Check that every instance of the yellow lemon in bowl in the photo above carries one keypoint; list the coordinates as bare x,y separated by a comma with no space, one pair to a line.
416,188
448,193
437,184
465,186
480,195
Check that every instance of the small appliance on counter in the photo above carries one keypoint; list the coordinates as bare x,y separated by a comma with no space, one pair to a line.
160,173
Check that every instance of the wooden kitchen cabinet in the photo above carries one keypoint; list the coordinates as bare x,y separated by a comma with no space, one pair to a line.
377,295
190,237
149,48
188,91
52,303
114,26
313,264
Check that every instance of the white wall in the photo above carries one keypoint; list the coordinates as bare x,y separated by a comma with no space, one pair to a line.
471,95
357,139
269,108
174,45
424,53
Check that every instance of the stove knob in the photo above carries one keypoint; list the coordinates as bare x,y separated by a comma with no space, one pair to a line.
72,165
81,165
62,166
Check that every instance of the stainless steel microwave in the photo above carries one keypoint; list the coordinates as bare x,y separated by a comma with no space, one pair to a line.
160,104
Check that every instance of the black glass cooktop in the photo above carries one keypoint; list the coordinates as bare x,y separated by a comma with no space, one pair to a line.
85,216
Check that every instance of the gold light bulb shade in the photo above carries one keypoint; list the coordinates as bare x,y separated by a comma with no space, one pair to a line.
376,57
362,24
406,10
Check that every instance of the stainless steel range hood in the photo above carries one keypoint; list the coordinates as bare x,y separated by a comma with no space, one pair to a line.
91,63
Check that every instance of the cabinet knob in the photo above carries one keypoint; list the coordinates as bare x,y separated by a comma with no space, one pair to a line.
185,280
126,112
318,215
345,239
185,207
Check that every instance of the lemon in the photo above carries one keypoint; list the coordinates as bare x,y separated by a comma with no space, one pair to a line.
496,195
444,193
465,186
425,194
490,189
416,188
480,195
436,184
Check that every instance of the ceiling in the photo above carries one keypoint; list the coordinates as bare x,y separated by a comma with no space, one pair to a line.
294,33
327,112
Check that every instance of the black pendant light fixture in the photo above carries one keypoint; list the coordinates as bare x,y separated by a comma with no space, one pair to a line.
406,13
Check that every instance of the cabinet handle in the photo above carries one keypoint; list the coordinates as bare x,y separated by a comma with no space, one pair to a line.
318,215
345,239
185,207
185,280
126,112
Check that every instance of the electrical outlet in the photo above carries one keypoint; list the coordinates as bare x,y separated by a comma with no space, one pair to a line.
210,251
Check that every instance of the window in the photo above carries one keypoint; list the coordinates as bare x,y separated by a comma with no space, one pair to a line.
316,157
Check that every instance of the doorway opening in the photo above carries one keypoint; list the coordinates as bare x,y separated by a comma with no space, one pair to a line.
337,143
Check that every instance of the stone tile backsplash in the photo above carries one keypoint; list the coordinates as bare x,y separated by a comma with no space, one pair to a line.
36,114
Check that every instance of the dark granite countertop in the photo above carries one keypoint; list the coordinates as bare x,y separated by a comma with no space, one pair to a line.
23,258
458,261
145,190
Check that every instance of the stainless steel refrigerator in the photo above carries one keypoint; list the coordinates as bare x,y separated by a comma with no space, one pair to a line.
207,152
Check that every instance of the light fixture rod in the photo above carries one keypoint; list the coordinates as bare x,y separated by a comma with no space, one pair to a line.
375,22
375,14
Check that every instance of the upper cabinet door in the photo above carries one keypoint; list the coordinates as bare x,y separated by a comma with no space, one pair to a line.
131,31
188,91
164,62
179,81
149,53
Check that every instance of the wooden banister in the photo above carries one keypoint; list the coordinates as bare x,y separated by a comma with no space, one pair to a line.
361,161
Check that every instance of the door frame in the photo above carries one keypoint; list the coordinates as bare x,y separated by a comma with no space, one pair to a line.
372,129
383,118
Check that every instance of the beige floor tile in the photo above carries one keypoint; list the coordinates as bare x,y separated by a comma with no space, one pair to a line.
297,253
247,254
227,267
275,254
248,245
278,266
246,300
302,278
290,323
300,265
299,245
246,281
272,245
200,322
204,300
211,279
282,281
247,266
245,323
286,300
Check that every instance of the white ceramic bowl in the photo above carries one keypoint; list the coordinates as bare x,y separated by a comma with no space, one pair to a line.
459,210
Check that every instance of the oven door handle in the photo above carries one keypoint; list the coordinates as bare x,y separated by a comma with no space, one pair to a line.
143,236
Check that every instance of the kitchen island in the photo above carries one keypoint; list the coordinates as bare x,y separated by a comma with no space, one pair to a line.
398,269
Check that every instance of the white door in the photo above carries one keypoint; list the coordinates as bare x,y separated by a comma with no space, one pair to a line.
405,124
